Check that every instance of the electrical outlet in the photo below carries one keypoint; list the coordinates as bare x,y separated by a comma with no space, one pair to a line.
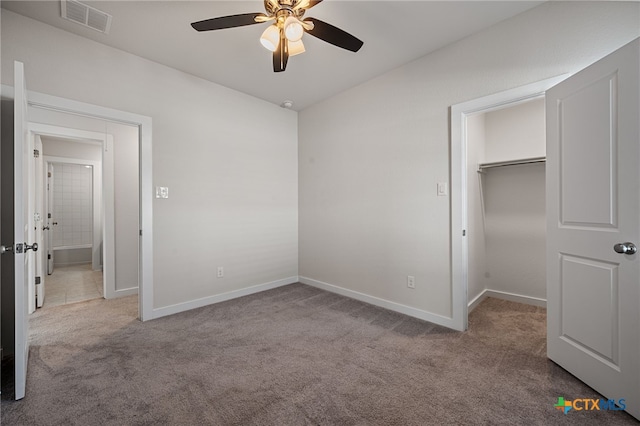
411,281
220,272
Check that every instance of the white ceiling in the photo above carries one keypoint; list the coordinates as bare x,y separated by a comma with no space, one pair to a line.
394,33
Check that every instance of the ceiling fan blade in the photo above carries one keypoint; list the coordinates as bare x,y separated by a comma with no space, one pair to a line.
230,21
306,4
281,56
334,35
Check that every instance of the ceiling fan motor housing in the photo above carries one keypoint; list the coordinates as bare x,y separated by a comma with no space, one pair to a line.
282,10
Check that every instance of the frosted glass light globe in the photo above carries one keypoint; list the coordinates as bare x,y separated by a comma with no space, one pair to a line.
296,48
270,38
293,29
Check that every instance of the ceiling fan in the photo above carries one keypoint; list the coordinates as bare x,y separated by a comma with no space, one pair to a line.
284,36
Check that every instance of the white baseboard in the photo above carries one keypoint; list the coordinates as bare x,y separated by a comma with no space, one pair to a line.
528,300
383,303
210,300
62,265
119,293
126,292
476,301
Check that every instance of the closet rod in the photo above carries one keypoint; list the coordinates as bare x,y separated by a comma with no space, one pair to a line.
532,160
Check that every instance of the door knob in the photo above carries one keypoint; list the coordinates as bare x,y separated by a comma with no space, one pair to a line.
33,247
4,249
625,248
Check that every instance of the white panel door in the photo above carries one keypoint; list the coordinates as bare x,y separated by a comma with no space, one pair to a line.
24,234
593,204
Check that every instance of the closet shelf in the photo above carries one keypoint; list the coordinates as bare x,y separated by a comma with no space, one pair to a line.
532,160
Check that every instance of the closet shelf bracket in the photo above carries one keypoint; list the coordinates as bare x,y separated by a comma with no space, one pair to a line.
532,160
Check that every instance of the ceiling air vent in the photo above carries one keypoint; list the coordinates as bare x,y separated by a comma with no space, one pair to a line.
85,15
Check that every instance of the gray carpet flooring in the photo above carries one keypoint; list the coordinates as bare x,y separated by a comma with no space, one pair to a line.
294,355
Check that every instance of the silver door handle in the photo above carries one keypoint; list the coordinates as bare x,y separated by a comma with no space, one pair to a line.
625,248
4,249
33,247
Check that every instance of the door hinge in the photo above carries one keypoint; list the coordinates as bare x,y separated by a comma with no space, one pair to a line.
48,256
48,215
36,153
141,232
48,174
464,232
38,280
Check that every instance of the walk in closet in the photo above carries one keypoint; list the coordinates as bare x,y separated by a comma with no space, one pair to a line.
506,203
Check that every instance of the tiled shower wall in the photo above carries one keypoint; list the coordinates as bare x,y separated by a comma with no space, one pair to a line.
72,205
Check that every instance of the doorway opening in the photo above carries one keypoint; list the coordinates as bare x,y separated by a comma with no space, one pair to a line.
71,250
84,230
472,156
111,121
506,228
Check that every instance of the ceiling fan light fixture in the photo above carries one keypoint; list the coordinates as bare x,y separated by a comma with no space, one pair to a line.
296,47
293,29
284,37
270,38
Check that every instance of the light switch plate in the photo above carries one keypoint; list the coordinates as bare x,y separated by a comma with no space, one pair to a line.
162,192
442,189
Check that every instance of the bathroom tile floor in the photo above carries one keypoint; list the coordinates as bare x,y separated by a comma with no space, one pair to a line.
69,284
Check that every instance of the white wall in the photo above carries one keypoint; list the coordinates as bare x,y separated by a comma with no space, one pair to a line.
516,132
476,278
64,148
232,178
370,158
514,200
127,203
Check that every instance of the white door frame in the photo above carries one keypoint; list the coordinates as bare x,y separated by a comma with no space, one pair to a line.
459,209
144,124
